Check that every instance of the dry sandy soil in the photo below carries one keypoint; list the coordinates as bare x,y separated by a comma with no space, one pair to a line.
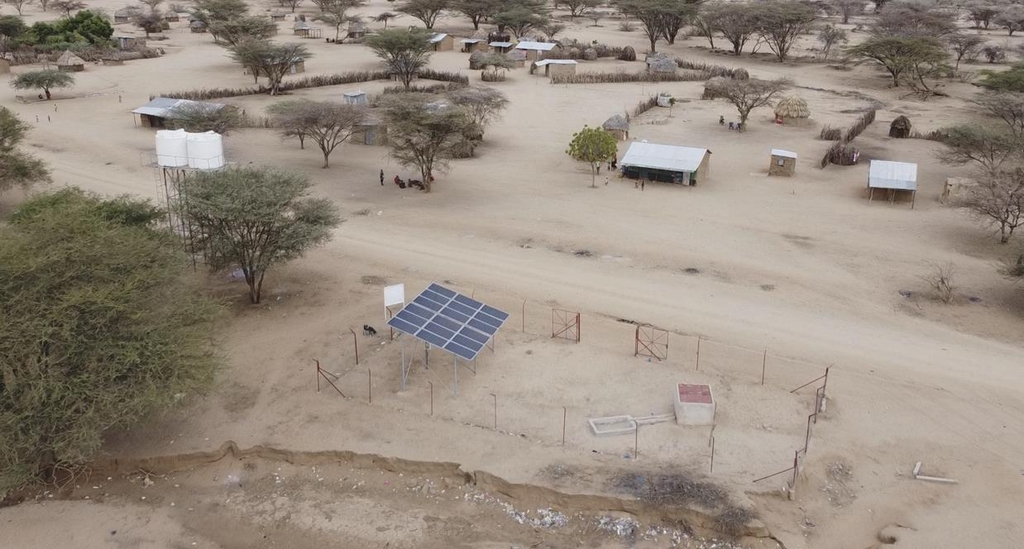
803,267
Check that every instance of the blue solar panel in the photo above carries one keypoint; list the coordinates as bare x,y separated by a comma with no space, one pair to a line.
444,318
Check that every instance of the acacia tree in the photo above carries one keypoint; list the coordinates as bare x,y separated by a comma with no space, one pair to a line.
245,27
100,327
327,123
704,27
404,51
17,168
659,18
483,104
385,17
830,36
593,146
964,46
424,134
1011,18
67,6
520,20
988,147
997,198
270,60
425,10
149,21
335,13
906,20
899,55
19,5
847,8
205,117
735,20
781,23
253,218
498,64
982,13
476,10
1008,107
209,12
45,80
745,95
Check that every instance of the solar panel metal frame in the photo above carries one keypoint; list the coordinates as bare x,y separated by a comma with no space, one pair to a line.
452,321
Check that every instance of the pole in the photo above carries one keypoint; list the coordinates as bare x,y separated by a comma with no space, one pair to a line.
495,411
764,361
369,386
636,341
431,383
317,375
698,352
712,454
355,344
565,412
524,316
636,442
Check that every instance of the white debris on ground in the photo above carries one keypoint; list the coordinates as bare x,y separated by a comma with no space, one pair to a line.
541,518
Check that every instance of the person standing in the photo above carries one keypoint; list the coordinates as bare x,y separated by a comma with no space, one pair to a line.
642,184
382,178
606,181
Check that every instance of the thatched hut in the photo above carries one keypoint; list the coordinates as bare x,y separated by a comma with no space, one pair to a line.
113,58
618,126
69,62
476,60
196,26
900,128
740,74
628,54
792,109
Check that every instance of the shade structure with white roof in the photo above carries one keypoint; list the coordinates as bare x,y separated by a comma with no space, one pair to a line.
535,50
893,177
553,67
669,163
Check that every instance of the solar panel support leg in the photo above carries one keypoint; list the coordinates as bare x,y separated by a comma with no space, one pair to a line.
455,370
405,372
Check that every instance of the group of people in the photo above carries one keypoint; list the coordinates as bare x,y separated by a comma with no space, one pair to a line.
412,183
732,125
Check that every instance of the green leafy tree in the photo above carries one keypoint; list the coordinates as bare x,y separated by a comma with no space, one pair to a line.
204,117
593,146
17,168
745,95
253,218
520,20
404,51
335,14
425,134
245,27
86,26
11,29
209,12
497,64
780,24
326,123
45,80
425,10
100,327
899,55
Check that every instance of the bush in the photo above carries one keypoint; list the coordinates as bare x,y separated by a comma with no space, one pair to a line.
443,76
993,53
828,133
859,126
712,71
623,77
627,26
85,27
645,105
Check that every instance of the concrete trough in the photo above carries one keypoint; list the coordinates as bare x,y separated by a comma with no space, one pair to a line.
612,425
694,404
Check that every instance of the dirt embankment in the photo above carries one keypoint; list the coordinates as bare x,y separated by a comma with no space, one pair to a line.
696,521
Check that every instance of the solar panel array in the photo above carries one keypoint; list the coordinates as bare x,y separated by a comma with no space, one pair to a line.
444,318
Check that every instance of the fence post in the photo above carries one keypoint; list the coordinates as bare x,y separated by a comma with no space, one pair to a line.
317,375
698,352
431,383
712,453
369,386
355,344
764,362
495,411
565,412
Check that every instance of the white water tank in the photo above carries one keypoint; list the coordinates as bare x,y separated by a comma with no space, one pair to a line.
205,151
171,148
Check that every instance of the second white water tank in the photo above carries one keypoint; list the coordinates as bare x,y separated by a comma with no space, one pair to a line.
205,151
171,148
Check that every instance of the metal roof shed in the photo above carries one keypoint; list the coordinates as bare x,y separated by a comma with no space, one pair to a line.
894,177
674,164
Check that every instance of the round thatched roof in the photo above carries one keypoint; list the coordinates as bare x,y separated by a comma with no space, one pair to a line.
68,59
792,107
901,122
616,122
662,65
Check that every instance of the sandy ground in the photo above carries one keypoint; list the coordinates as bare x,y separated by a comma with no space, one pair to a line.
803,266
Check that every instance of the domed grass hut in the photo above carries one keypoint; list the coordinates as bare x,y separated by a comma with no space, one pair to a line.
900,128
69,62
740,74
792,110
618,126
659,63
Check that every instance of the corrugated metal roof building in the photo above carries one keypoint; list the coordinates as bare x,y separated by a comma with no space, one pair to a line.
669,163
893,177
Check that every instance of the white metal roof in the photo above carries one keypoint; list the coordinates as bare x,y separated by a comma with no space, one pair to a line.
543,62
438,37
500,44
472,40
163,107
663,157
884,174
538,46
784,153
